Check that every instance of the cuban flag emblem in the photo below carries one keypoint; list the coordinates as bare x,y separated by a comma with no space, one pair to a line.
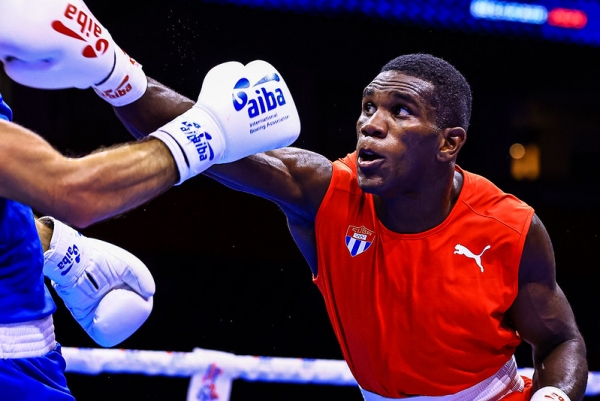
358,239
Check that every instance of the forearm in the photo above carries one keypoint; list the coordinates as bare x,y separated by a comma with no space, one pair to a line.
295,179
119,179
565,367
268,175
158,106
85,190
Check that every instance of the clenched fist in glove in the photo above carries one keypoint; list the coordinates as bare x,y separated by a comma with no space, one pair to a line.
241,110
107,289
56,44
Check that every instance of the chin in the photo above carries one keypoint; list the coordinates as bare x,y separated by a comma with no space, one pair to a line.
370,185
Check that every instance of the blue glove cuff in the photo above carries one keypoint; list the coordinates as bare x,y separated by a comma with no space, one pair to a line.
5,111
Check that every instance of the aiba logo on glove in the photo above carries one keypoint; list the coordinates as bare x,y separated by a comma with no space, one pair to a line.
264,102
87,27
199,139
71,257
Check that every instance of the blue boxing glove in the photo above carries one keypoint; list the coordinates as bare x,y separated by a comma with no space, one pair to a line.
5,111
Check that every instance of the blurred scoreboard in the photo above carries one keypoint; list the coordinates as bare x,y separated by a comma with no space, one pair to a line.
576,21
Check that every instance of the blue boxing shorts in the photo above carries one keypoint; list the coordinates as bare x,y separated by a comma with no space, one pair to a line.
35,379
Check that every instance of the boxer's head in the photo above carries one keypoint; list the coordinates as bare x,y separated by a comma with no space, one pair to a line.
451,95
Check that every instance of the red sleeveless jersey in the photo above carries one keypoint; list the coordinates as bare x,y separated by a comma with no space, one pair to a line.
420,314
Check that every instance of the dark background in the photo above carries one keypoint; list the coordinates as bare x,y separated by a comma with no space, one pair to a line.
227,271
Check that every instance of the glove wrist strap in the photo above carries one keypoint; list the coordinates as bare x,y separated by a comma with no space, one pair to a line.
64,259
195,141
125,84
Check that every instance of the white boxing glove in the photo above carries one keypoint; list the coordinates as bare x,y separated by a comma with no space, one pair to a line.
550,393
56,44
107,289
241,110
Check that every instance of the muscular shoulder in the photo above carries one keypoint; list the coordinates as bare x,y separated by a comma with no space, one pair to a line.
310,174
537,261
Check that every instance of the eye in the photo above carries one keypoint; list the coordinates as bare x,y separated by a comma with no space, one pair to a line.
369,108
401,111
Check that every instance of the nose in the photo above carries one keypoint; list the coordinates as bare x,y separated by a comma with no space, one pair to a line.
374,125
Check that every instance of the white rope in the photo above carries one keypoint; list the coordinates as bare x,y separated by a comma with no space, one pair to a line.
185,364
251,368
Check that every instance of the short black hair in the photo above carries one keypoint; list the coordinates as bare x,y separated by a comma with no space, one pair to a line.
451,96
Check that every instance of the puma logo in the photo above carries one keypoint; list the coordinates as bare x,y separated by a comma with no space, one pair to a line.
462,250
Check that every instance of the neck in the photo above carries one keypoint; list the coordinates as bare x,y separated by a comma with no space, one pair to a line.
418,211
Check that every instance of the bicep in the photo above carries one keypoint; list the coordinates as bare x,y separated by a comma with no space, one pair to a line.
295,179
541,313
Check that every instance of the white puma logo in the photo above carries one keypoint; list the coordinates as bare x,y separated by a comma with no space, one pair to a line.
462,250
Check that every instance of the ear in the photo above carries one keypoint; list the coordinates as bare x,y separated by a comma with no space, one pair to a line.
452,140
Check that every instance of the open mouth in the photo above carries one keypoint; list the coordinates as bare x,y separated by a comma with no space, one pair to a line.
368,157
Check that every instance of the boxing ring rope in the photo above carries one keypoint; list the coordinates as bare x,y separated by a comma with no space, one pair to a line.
212,371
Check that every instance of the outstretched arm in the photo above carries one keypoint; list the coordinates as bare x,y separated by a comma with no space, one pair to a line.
543,317
295,179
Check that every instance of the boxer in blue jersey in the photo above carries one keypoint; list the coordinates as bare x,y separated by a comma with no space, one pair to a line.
31,366
85,273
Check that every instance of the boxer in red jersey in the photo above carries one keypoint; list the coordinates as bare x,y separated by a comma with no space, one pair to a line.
431,275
